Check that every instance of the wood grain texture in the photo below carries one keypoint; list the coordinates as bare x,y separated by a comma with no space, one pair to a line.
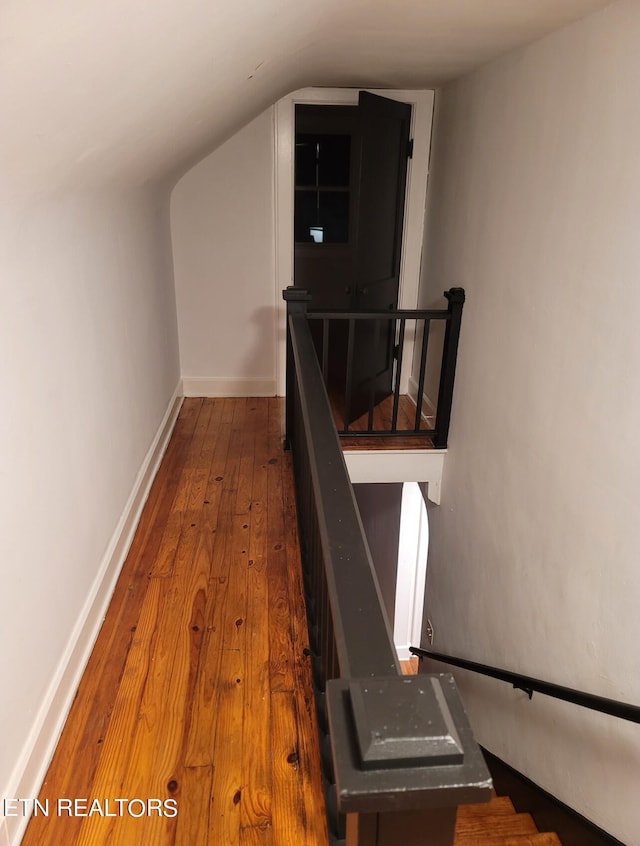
198,688
497,806
547,839
515,840
478,824
410,667
382,419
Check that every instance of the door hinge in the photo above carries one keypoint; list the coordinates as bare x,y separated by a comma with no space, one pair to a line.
410,148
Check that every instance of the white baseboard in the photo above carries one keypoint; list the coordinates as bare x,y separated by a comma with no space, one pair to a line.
38,750
428,406
403,652
196,386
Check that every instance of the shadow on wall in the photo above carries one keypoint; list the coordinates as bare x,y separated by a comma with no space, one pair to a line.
394,517
258,361
434,359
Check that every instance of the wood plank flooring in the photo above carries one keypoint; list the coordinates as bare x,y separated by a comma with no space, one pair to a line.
198,689
194,722
382,417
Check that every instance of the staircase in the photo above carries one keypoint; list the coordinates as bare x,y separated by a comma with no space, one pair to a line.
496,823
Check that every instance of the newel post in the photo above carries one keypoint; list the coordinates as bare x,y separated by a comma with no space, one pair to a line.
296,300
404,758
456,299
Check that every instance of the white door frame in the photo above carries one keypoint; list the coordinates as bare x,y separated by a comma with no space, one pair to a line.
413,228
413,546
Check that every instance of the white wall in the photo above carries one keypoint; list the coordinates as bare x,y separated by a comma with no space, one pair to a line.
88,346
222,219
534,209
100,99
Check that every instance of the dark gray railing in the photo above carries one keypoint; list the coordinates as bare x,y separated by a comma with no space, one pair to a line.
397,752
392,323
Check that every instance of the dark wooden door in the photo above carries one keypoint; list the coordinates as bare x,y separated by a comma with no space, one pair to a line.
327,172
351,165
384,130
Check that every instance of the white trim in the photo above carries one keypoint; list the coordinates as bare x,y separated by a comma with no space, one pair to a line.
222,386
29,772
413,230
398,465
412,571
427,402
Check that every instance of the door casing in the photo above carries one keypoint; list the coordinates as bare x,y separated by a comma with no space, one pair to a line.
413,227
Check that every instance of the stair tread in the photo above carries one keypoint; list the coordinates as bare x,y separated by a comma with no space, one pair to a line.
542,839
497,805
495,824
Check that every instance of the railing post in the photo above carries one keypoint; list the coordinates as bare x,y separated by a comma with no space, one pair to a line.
433,827
400,755
456,299
296,300
404,759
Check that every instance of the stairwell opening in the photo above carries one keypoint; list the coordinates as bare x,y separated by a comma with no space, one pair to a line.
395,522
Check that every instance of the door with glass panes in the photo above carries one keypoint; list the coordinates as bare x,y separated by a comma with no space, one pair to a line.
350,175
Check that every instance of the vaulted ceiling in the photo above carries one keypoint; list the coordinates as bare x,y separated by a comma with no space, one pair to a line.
97,92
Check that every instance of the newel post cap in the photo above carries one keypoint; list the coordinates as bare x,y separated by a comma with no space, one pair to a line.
403,743
292,294
456,296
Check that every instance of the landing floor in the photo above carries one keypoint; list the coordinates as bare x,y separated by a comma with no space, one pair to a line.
382,418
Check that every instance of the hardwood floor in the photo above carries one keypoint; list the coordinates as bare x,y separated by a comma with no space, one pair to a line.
198,689
194,723
382,417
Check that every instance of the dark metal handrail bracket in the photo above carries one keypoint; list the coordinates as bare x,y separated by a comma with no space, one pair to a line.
397,752
529,685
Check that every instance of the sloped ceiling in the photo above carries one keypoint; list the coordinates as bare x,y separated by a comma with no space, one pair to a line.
101,91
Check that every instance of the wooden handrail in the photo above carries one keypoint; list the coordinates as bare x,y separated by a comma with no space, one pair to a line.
423,318
530,685
400,752
363,640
